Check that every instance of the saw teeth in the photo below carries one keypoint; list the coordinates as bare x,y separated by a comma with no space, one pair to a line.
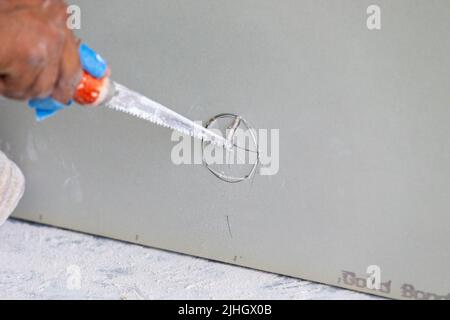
119,104
165,125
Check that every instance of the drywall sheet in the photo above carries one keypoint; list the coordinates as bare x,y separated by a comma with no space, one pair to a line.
364,149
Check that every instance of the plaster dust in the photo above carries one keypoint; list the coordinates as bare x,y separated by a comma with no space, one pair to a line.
39,262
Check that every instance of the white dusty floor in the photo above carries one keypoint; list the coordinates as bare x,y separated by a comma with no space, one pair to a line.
38,262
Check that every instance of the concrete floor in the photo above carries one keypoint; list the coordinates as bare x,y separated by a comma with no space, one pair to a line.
39,262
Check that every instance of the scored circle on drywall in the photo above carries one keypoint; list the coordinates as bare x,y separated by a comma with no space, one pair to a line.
240,163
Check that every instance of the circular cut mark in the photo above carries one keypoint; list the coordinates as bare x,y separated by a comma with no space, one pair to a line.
239,163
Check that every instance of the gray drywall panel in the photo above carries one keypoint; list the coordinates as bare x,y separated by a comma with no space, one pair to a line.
363,115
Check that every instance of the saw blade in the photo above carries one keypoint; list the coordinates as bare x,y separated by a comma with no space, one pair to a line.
135,104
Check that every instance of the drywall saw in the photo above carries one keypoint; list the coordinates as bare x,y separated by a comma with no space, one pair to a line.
97,89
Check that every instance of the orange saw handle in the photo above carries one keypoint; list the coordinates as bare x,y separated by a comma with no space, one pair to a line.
93,89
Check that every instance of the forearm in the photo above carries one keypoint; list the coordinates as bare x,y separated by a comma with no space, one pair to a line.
7,31
9,5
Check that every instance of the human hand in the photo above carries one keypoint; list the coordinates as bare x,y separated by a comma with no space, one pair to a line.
39,54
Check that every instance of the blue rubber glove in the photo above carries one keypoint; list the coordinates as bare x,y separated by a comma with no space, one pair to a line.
91,62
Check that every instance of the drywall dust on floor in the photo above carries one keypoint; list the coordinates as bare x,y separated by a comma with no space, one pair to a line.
39,262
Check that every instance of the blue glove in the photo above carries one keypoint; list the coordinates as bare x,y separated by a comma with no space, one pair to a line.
91,62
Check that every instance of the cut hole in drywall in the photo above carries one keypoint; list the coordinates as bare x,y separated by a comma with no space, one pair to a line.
239,163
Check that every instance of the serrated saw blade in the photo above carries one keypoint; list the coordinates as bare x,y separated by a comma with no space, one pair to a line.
135,104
